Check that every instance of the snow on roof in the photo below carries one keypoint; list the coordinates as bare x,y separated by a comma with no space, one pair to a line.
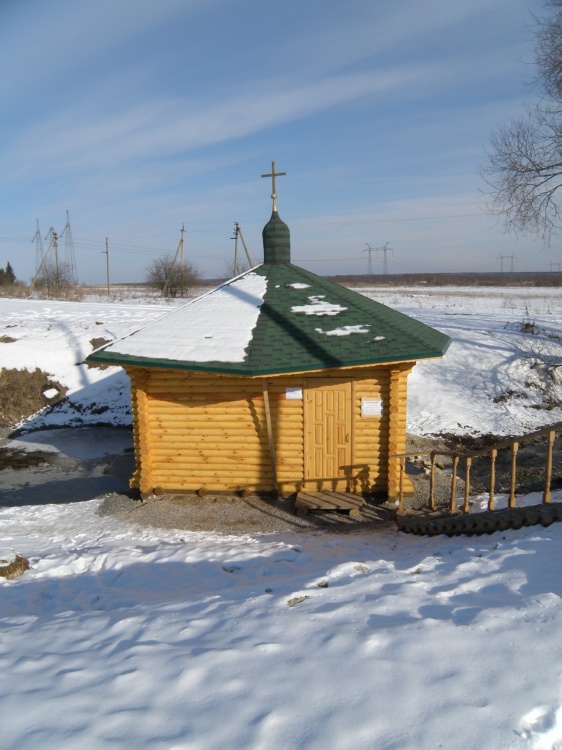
318,306
345,330
298,285
214,327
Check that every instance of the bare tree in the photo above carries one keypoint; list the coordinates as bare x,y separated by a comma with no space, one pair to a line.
548,53
542,351
56,278
524,162
230,271
171,278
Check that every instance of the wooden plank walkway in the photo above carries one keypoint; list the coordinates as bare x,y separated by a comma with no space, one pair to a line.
342,502
486,522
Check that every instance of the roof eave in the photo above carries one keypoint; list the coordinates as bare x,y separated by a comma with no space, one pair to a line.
125,360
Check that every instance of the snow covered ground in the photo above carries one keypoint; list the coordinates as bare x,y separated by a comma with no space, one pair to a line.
489,358
127,637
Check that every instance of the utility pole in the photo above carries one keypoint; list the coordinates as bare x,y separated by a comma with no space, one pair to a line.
512,266
237,233
235,238
38,239
558,265
501,257
182,258
106,251
173,264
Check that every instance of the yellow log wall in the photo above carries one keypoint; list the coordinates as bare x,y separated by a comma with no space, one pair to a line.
398,393
195,430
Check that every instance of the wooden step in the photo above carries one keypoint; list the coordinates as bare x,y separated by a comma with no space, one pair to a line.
342,502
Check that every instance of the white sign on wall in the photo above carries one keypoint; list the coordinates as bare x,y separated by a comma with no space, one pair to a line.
371,407
293,394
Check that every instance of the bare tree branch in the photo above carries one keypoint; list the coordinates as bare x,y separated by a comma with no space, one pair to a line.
524,162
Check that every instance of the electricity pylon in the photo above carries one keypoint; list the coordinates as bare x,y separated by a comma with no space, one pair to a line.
53,242
369,250
69,259
384,250
512,264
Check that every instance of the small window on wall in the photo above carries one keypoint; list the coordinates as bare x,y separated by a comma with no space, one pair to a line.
371,408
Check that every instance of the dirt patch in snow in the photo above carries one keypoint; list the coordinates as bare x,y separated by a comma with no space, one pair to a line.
21,394
96,343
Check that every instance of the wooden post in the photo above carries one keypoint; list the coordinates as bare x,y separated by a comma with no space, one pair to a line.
452,503
270,434
514,449
546,494
493,455
468,463
432,483
134,482
145,483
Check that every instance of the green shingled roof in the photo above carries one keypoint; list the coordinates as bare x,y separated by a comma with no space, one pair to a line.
306,323
285,340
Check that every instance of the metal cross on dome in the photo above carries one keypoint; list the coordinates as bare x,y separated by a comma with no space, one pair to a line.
273,175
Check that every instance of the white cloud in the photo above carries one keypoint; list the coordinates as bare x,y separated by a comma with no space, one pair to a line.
162,128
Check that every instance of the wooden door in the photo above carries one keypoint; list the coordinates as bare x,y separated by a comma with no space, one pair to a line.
327,431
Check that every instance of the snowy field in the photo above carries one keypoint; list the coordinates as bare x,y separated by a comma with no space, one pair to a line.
127,637
489,357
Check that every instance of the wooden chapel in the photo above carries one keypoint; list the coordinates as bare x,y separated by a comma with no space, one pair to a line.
277,381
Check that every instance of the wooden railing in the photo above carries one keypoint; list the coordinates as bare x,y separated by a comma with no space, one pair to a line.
467,459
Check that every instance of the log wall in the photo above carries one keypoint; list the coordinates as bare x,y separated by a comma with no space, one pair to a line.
397,398
194,430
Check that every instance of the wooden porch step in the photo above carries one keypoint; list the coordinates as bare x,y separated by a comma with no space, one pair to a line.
343,502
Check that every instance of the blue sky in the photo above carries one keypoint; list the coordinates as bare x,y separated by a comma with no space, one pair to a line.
141,116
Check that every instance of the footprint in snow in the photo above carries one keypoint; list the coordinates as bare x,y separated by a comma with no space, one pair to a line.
231,568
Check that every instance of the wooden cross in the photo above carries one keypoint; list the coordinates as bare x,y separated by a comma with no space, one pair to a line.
273,175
